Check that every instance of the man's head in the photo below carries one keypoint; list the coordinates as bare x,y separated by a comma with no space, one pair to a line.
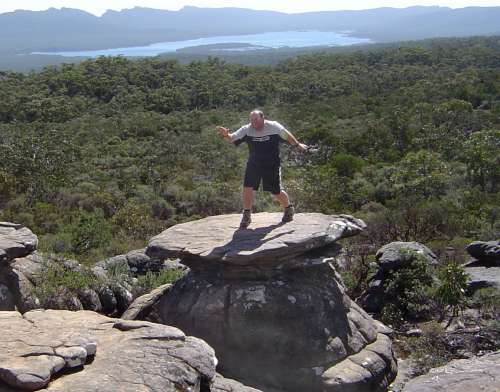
257,119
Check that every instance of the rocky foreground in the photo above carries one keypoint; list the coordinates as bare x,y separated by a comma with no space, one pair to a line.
269,301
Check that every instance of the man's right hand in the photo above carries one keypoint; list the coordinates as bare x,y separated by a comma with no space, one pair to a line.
224,132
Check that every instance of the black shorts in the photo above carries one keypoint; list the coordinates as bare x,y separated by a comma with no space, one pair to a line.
270,176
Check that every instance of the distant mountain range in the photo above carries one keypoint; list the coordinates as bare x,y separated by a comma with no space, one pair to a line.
22,32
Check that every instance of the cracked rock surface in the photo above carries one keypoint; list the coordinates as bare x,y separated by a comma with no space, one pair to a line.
83,351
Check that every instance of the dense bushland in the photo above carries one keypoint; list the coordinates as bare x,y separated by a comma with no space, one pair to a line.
97,157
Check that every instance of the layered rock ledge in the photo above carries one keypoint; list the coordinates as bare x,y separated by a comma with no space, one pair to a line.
84,351
269,301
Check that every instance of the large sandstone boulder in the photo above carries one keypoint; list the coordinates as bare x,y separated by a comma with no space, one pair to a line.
40,347
463,375
271,304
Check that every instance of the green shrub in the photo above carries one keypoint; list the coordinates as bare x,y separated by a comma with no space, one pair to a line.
152,280
407,291
449,291
88,230
55,276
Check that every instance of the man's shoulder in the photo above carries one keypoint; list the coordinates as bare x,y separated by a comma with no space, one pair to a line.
274,126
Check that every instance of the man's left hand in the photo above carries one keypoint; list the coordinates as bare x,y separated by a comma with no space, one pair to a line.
303,147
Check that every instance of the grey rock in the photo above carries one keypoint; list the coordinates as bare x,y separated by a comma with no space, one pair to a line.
463,375
123,297
269,302
7,301
222,384
19,286
30,266
218,238
108,300
488,252
482,277
399,254
15,241
142,307
90,300
126,355
135,262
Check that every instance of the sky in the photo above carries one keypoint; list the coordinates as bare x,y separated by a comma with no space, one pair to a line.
99,7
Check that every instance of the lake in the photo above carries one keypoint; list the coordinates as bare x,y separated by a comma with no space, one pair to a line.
273,40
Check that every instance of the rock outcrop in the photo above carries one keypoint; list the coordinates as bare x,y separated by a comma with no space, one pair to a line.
486,252
84,351
463,375
135,262
271,304
23,270
389,258
15,241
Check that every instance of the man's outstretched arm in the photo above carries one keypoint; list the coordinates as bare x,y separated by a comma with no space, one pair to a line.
294,142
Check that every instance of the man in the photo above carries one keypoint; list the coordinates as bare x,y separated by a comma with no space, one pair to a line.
263,138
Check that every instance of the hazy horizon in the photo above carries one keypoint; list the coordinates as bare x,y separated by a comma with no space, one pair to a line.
98,8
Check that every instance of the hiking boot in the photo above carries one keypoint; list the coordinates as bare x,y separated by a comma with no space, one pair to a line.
246,219
288,214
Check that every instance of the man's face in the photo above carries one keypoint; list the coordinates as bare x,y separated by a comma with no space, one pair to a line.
256,121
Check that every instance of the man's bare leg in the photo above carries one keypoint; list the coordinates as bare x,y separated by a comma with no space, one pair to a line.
246,198
288,210
283,199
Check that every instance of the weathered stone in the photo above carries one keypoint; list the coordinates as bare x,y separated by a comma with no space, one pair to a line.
7,301
142,307
126,355
269,301
399,254
464,375
30,266
218,238
90,300
108,300
123,297
134,262
222,384
482,277
488,252
15,241
21,288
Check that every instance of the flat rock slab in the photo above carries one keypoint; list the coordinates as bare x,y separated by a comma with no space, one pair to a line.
15,241
482,277
104,354
219,239
463,375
